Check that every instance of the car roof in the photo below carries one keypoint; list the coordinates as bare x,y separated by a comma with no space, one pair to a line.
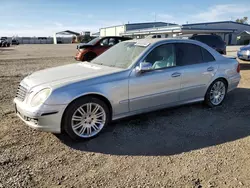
152,41
113,37
149,42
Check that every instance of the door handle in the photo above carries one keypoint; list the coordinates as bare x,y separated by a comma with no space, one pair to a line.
176,74
210,69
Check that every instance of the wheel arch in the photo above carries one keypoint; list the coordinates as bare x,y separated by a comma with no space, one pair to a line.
95,95
90,52
218,78
221,78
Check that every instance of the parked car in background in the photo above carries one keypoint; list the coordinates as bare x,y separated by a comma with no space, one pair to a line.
212,40
244,53
14,41
4,42
133,77
92,49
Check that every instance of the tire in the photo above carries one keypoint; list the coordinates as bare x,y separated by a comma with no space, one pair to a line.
211,98
88,123
89,56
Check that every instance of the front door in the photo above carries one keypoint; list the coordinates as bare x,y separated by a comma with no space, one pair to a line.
159,86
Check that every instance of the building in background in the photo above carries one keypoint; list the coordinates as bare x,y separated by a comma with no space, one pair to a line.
244,38
119,29
97,34
230,37
228,30
233,33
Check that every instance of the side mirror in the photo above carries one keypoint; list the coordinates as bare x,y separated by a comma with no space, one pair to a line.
143,67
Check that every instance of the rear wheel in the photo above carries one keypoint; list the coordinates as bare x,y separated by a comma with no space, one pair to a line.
85,118
89,56
216,93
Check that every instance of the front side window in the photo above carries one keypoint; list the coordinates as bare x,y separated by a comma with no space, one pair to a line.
188,54
162,57
104,42
113,41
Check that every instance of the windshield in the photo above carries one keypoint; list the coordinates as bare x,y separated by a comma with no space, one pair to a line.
121,55
95,40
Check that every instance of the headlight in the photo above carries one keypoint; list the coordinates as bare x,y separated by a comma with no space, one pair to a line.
40,97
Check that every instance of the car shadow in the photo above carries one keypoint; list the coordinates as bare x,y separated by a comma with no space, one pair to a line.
2,49
173,131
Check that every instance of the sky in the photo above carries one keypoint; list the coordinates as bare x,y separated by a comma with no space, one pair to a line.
45,17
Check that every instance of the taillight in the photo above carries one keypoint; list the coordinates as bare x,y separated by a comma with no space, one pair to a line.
238,68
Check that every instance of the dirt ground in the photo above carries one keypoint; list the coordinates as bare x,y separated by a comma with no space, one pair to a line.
188,146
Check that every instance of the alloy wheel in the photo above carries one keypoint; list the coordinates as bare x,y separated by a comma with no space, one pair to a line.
217,93
88,120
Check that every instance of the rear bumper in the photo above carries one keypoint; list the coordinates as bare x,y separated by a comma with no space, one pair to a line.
233,82
48,118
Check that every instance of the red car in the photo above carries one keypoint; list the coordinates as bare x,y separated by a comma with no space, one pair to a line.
90,50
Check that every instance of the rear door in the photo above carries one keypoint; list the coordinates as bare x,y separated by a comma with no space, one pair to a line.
198,67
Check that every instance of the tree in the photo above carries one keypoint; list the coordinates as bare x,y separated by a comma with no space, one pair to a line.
243,20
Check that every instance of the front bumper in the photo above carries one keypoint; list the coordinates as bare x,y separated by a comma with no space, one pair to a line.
46,118
243,55
79,56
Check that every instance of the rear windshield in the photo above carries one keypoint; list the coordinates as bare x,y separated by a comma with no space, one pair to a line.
209,39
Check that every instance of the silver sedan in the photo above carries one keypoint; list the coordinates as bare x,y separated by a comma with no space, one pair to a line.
244,53
132,77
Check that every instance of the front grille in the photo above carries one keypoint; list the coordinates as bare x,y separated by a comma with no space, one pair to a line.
21,93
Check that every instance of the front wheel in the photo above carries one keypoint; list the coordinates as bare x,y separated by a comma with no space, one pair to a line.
216,93
85,118
89,56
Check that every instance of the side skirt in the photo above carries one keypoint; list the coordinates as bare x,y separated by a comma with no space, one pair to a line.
180,103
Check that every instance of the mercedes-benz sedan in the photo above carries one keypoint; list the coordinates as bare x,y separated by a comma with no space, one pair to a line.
133,77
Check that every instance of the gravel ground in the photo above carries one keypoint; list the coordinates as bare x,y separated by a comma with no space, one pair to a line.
188,146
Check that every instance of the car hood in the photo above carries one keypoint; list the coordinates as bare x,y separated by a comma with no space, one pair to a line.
63,75
245,47
83,45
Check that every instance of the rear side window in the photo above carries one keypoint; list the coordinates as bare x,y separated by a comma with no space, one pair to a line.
207,57
188,54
